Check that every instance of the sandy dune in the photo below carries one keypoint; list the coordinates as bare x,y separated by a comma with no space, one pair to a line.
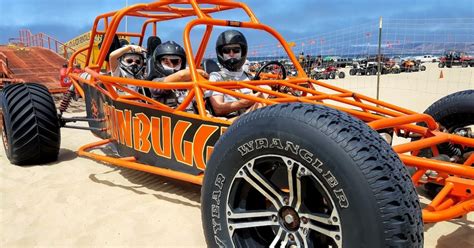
77,202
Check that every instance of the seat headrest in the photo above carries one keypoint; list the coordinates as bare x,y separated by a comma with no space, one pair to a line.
210,65
114,46
151,44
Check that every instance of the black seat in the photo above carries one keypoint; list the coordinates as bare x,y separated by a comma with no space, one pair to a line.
124,42
114,46
210,65
152,43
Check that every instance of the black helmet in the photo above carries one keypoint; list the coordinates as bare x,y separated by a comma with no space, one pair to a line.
231,37
134,70
168,48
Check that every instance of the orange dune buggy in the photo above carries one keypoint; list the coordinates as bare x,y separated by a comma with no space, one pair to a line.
309,170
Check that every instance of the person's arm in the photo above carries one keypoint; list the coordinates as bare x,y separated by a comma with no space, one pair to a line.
115,55
183,76
222,108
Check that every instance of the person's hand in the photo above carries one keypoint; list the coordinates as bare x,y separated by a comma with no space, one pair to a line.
203,73
136,49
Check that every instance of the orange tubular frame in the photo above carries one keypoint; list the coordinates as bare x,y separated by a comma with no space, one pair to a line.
455,199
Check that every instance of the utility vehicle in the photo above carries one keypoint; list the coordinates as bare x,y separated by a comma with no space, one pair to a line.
314,168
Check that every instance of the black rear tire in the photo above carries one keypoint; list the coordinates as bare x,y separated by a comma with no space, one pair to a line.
452,111
342,74
261,182
373,71
30,126
352,72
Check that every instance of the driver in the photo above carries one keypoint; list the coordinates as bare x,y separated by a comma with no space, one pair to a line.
231,50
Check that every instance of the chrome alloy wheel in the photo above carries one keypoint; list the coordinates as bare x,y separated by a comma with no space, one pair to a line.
275,201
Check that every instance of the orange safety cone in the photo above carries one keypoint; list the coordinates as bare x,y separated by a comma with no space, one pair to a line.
441,75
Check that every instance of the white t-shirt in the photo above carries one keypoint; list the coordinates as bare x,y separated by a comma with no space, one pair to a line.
229,76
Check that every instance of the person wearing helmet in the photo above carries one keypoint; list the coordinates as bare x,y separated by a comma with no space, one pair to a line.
169,62
231,50
128,61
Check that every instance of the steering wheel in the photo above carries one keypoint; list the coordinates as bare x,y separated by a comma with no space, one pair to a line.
263,68
280,76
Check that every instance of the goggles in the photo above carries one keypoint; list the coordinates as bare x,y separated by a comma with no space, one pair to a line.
227,50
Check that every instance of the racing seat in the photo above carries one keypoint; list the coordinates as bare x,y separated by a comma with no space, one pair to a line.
114,46
152,43
209,66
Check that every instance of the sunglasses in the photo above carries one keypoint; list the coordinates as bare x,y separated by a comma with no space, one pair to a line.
227,50
174,62
136,61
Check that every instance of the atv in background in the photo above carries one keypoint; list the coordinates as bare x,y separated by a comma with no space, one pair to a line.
364,68
411,65
455,58
391,67
369,66
329,72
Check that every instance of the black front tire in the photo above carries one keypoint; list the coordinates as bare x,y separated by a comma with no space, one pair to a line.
314,161
30,126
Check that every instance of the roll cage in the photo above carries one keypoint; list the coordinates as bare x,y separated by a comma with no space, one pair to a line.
455,198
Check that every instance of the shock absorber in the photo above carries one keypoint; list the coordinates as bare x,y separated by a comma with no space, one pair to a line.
67,97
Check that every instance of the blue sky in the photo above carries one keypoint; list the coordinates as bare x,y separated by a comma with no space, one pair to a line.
292,18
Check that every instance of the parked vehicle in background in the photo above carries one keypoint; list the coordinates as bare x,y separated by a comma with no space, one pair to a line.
455,58
411,65
391,67
427,58
342,62
329,72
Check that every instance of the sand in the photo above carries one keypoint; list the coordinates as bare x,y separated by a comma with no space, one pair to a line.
77,202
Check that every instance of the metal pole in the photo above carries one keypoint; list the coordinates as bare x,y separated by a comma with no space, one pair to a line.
126,18
379,58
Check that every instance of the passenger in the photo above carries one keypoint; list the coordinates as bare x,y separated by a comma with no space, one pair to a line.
170,66
231,50
128,62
